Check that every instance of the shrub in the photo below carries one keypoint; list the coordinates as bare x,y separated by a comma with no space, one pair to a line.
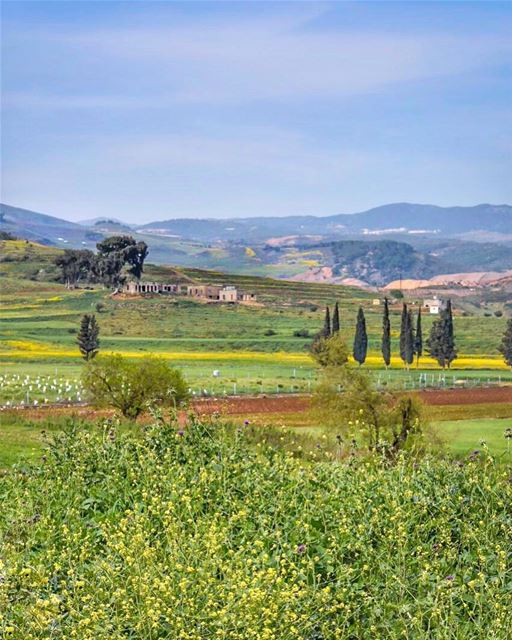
270,332
347,401
330,352
301,333
130,386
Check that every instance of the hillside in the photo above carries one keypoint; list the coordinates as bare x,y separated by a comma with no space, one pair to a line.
373,247
398,217
46,229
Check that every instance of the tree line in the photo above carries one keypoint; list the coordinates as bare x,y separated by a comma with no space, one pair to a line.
116,258
440,344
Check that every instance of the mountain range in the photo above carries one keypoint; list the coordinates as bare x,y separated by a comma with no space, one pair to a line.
413,240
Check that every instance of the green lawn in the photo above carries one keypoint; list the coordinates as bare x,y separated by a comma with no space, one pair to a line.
466,436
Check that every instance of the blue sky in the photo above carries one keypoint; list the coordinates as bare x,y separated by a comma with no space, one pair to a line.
153,110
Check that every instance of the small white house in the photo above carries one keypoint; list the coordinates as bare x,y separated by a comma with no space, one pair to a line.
433,305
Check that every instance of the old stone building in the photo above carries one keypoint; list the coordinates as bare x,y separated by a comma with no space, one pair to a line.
226,293
135,288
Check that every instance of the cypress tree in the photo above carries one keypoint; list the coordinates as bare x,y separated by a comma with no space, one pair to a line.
360,338
88,341
326,331
506,344
409,340
403,332
449,339
386,335
441,342
418,340
336,319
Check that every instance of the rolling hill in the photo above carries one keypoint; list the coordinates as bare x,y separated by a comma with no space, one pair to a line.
374,246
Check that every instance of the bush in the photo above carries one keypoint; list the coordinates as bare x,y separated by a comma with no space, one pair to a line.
301,333
498,313
131,386
347,401
330,352
192,534
269,332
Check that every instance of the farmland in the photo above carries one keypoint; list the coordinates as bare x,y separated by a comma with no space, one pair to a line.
253,347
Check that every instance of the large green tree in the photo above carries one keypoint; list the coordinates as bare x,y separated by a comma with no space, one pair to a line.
441,341
76,265
505,347
114,253
360,347
386,334
131,387
88,337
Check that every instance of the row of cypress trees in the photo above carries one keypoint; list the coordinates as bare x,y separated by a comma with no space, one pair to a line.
440,344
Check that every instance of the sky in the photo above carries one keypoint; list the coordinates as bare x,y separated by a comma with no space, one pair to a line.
155,110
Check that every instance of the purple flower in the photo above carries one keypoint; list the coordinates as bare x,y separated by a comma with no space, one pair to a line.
301,548
246,422
181,432
450,578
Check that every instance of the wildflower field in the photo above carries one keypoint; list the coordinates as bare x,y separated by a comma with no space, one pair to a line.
212,532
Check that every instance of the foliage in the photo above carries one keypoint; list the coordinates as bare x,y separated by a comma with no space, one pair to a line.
346,400
406,337
506,344
76,265
441,342
418,338
87,338
360,347
330,352
195,535
386,335
107,266
121,250
5,235
326,331
336,319
114,381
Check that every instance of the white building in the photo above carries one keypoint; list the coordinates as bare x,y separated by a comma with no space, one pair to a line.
433,305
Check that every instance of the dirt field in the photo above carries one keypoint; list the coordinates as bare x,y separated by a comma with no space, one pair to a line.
295,404
246,405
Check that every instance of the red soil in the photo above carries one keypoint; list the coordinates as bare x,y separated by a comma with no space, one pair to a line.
246,405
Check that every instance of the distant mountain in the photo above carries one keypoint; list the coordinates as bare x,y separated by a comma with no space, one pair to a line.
375,246
391,219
